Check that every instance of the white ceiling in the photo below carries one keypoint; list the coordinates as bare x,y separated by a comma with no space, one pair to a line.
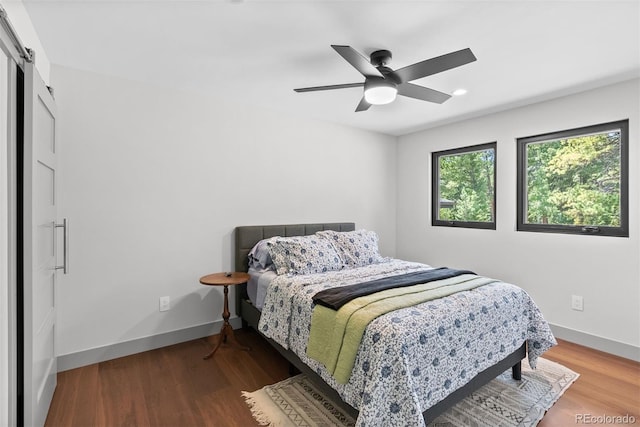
256,52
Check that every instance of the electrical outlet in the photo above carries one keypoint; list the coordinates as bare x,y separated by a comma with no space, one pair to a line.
165,303
577,303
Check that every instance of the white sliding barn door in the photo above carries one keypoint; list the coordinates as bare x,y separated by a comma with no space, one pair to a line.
40,218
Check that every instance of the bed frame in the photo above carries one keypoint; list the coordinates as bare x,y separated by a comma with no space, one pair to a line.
247,236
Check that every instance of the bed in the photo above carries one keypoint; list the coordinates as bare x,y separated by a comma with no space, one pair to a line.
402,382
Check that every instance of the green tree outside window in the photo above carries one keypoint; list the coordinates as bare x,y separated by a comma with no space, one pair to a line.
574,181
464,186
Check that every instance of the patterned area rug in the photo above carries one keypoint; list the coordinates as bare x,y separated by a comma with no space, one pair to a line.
503,402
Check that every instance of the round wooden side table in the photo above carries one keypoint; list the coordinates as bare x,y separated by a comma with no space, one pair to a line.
226,280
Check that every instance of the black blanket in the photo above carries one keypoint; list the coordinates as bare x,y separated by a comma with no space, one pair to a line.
335,298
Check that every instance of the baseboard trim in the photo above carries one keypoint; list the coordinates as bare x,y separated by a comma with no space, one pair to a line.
138,345
126,348
627,351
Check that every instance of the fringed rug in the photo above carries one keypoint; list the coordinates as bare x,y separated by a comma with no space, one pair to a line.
503,402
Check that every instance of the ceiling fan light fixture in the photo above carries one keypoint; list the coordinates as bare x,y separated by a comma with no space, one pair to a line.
382,84
379,91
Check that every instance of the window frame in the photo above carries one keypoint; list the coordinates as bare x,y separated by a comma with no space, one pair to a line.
620,231
435,186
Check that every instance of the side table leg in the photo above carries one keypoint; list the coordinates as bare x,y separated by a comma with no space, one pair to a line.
226,332
231,339
208,356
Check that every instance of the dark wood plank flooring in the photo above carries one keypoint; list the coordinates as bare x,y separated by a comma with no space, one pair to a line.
173,386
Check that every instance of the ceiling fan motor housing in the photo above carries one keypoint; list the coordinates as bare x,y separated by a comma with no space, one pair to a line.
380,58
373,81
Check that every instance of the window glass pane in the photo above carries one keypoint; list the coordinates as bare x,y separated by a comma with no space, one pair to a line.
464,186
575,181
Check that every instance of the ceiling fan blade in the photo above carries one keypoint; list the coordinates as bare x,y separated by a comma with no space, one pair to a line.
435,65
331,87
358,61
422,93
363,105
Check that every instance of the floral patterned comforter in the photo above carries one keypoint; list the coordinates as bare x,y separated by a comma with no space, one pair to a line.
412,358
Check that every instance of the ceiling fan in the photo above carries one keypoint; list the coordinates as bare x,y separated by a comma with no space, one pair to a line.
382,84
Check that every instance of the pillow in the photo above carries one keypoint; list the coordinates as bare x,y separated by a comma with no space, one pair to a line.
259,256
304,255
357,248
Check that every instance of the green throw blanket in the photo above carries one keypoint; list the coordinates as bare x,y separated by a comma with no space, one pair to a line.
335,335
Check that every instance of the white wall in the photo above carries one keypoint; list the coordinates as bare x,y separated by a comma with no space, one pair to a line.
154,181
551,267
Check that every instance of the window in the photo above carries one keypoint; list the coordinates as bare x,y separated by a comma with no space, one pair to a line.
463,187
575,181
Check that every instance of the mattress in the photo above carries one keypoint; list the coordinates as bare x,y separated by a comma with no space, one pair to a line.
259,280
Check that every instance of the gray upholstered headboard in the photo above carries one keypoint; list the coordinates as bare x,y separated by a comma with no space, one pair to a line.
247,236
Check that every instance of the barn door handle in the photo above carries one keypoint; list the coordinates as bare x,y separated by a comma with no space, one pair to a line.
65,246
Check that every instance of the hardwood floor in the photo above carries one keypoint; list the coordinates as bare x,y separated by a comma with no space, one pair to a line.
173,386
608,386
170,386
